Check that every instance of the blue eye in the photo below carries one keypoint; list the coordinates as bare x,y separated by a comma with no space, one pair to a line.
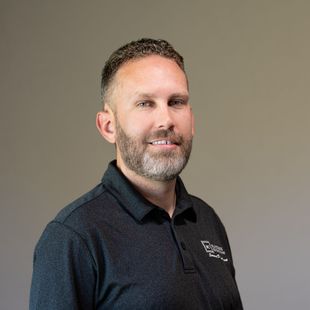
144,104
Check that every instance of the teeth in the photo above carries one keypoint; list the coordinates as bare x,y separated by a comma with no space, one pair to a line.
162,142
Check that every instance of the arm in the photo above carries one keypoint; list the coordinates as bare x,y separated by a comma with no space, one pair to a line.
64,274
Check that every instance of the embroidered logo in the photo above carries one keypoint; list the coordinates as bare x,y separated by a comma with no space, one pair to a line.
214,250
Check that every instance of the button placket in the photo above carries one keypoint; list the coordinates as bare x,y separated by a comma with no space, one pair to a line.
185,254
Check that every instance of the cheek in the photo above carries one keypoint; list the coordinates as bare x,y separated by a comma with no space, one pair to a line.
136,127
193,126
187,125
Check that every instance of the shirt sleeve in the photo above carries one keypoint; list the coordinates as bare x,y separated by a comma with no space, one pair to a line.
64,274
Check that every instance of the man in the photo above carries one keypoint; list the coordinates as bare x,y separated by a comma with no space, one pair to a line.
138,240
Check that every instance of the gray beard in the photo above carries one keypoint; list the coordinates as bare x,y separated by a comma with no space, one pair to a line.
159,166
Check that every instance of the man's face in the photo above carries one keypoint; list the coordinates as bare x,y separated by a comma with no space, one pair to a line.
153,119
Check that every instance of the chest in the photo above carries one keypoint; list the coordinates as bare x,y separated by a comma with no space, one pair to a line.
163,266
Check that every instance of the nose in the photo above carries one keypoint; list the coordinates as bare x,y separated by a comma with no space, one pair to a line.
164,118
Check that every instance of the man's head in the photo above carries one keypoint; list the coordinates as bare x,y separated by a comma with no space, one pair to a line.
147,112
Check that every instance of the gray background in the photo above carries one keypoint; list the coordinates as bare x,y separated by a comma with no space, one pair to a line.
249,66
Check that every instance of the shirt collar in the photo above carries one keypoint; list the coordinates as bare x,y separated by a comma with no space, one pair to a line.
130,199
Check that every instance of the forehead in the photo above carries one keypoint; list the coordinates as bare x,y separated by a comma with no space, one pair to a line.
152,71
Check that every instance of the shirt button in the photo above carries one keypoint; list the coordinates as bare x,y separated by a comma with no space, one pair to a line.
183,245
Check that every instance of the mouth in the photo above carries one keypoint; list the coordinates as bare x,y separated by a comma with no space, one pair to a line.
162,142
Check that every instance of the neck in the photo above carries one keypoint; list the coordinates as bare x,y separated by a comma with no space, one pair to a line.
160,193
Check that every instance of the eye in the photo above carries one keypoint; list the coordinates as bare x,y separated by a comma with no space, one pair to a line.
177,102
144,104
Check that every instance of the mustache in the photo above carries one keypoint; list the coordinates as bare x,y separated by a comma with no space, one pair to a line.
165,134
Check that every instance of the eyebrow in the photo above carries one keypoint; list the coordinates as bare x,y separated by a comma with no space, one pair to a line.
151,96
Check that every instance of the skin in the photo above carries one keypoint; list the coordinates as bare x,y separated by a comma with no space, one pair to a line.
149,94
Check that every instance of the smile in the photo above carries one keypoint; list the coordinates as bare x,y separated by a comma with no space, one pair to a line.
162,142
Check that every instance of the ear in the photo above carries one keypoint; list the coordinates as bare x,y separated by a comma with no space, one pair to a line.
105,124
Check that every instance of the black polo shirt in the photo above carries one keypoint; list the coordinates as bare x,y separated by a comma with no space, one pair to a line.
113,249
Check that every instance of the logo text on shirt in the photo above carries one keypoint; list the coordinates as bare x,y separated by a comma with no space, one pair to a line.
214,250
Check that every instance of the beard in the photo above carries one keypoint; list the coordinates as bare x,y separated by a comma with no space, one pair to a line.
159,165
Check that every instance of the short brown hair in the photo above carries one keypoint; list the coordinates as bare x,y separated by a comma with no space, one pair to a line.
133,50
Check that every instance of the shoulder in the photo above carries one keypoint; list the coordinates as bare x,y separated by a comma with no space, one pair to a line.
83,216
83,207
76,225
204,209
